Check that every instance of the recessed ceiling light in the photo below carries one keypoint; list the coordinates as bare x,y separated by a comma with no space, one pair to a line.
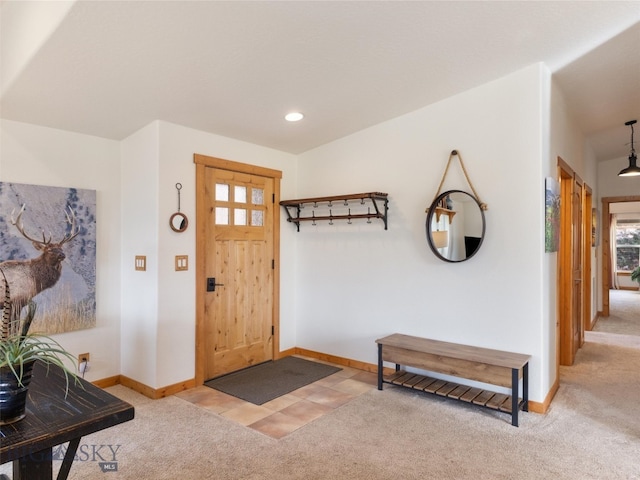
293,117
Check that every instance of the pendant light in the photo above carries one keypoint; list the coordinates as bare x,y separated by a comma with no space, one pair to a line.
440,238
632,169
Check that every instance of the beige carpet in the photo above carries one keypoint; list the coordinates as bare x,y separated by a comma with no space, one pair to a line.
592,431
624,314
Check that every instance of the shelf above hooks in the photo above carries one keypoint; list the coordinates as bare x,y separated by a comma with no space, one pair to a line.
444,211
359,201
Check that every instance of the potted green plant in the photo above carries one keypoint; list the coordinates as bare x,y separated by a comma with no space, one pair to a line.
635,275
19,350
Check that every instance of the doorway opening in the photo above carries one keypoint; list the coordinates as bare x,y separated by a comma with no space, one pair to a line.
608,270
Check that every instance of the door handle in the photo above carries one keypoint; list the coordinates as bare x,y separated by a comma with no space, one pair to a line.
211,284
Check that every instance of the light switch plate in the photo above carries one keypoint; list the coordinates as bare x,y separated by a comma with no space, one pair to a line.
141,263
182,263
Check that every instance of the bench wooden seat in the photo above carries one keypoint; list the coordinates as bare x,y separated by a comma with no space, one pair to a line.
495,367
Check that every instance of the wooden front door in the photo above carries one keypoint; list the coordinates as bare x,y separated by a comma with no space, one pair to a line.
236,268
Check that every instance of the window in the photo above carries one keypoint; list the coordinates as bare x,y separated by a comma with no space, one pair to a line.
233,211
627,244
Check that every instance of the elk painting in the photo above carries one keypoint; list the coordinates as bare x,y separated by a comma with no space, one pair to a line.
47,251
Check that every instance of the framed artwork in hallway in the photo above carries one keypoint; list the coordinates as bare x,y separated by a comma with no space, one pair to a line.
552,215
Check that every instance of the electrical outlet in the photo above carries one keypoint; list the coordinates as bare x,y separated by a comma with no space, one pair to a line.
83,357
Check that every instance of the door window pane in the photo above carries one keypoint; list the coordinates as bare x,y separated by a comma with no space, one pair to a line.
222,192
222,216
240,216
256,218
240,194
257,196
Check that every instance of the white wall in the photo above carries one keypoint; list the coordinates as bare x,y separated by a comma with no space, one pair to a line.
611,185
44,156
342,286
139,210
567,142
359,282
176,316
145,320
160,303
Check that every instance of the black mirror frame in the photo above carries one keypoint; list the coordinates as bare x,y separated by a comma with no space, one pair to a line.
184,223
432,211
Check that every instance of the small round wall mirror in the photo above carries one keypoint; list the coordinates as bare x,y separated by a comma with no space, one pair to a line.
455,226
178,222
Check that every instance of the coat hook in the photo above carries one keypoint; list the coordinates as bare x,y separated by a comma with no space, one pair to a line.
330,204
349,217
330,218
362,201
315,204
313,214
346,203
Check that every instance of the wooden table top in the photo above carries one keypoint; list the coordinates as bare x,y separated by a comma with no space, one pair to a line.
53,419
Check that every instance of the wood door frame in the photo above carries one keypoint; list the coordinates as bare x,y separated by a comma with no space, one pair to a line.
587,251
606,246
565,174
202,162
580,324
564,332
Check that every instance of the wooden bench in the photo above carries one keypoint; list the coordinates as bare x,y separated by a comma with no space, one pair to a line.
484,365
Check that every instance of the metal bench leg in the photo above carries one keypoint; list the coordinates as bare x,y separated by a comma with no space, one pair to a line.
379,366
525,387
514,396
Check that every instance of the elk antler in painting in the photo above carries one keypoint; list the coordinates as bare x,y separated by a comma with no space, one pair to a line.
71,220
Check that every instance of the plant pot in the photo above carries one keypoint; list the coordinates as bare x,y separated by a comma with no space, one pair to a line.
13,395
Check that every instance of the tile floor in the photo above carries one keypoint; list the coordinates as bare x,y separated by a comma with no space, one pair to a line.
283,415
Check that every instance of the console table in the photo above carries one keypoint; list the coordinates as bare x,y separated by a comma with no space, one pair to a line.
53,419
495,367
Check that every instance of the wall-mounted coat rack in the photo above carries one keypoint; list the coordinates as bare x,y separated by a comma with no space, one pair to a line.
349,207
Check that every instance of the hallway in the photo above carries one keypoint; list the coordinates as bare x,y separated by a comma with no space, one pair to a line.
622,326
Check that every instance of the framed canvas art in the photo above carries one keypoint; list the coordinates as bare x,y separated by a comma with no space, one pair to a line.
552,215
48,253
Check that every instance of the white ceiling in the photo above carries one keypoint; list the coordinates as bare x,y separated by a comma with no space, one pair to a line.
108,68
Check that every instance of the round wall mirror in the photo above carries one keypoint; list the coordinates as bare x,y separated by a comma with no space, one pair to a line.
455,226
178,222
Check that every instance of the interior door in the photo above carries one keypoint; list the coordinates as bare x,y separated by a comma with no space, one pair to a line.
570,266
236,258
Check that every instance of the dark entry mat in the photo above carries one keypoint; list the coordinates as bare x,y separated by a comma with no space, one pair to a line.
270,380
